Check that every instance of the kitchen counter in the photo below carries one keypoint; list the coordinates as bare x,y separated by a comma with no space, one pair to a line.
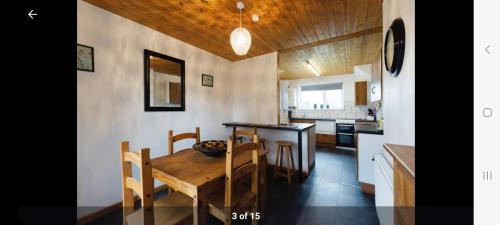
329,119
319,119
403,182
368,129
302,135
291,126
405,155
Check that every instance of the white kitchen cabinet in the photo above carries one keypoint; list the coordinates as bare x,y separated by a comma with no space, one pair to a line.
369,145
325,127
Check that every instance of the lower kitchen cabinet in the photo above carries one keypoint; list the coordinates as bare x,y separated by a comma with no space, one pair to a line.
404,195
368,145
295,120
325,140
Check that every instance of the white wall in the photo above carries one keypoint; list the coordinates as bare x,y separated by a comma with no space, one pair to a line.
399,92
256,87
110,101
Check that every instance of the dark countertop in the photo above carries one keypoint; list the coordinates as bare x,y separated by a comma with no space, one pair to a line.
360,120
319,119
291,126
368,129
404,154
327,119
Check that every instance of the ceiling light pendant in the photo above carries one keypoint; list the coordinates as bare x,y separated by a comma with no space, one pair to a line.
312,68
240,37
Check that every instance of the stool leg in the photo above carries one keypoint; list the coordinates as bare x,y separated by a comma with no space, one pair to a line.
291,156
276,163
281,157
289,166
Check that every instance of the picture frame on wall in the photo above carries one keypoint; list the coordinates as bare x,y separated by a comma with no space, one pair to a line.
84,58
207,80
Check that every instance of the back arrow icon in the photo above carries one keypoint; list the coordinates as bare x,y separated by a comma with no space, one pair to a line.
486,49
31,14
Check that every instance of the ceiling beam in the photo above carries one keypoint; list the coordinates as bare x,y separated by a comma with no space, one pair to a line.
333,40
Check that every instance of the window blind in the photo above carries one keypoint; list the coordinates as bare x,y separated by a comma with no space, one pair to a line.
322,87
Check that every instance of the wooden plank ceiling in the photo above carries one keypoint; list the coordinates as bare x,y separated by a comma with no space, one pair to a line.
334,58
284,24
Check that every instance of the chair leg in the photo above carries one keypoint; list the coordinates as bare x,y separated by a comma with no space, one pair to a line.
263,188
254,210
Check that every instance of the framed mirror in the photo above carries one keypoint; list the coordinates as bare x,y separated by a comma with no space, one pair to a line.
394,47
164,83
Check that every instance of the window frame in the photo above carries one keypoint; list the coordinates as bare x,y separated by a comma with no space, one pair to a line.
342,93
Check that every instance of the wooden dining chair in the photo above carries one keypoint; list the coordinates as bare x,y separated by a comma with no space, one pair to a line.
238,136
174,208
236,198
174,138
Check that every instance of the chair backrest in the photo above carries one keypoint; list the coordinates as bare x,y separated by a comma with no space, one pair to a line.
178,137
243,133
235,172
144,187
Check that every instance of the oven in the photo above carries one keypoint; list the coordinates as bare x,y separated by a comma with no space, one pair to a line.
345,133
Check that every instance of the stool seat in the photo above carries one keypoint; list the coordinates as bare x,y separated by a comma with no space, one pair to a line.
282,142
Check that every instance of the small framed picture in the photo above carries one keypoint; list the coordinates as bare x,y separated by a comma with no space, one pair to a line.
84,58
207,80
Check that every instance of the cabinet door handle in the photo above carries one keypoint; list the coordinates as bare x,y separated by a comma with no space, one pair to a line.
373,89
373,158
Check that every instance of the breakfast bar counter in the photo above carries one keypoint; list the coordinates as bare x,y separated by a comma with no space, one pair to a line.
301,134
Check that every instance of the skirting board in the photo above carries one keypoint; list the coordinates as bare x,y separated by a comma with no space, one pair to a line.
367,188
106,210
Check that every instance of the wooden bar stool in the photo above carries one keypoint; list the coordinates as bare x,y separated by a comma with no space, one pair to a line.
280,147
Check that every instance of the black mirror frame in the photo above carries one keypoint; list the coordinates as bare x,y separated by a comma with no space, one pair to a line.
398,32
149,108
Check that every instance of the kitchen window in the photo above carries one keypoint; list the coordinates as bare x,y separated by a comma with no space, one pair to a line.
330,95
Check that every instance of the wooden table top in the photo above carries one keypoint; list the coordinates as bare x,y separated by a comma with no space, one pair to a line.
403,154
195,168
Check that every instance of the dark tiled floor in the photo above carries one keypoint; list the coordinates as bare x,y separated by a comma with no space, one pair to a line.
330,195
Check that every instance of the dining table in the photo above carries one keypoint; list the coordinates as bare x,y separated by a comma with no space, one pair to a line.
195,175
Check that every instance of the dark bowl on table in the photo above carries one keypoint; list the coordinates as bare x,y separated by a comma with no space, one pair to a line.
211,148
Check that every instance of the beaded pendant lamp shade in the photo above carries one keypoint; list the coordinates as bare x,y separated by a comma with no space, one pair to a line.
240,37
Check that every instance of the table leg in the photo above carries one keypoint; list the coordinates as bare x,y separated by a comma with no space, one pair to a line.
300,155
200,208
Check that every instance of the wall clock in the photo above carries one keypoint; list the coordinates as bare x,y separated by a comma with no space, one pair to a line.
394,47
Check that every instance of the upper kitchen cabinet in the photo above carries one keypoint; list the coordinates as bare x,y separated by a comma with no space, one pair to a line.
376,83
361,93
